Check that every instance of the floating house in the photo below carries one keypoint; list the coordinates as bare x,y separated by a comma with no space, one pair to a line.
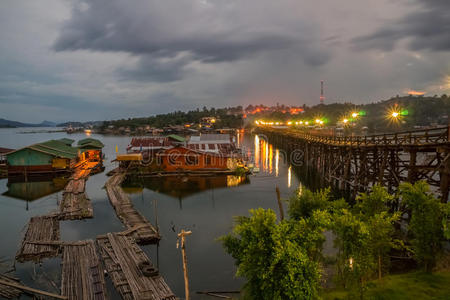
149,146
212,143
52,156
91,149
3,152
182,158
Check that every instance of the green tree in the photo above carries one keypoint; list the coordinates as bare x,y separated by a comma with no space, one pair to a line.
303,205
276,259
427,224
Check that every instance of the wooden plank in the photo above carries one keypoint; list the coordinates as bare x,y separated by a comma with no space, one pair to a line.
137,225
82,274
123,260
31,290
43,228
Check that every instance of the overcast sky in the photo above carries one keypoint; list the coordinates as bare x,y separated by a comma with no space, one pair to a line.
106,59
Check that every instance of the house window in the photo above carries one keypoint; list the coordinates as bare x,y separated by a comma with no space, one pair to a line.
207,160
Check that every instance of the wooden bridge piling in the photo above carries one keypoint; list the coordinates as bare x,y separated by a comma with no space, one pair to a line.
358,162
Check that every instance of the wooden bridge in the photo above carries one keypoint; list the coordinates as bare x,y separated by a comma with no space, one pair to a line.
358,162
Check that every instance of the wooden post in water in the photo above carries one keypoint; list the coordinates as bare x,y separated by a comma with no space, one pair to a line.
280,205
182,235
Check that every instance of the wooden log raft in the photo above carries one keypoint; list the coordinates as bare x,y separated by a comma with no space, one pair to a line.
40,229
75,206
138,226
6,290
130,269
82,273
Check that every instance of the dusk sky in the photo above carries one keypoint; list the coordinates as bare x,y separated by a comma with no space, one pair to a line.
64,60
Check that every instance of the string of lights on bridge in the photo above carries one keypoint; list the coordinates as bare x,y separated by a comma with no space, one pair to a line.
393,114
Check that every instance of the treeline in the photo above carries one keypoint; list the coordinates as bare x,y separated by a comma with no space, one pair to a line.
226,117
416,111
284,259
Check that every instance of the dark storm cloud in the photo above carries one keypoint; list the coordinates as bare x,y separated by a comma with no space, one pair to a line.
204,31
426,28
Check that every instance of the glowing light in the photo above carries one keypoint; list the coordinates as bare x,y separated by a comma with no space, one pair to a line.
257,151
88,132
289,123
317,121
296,123
257,122
415,93
301,122
354,115
345,121
306,123
277,123
270,159
289,176
395,114
277,158
321,122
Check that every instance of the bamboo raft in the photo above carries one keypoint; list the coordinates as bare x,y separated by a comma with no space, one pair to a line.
137,225
125,261
37,243
7,291
75,207
82,272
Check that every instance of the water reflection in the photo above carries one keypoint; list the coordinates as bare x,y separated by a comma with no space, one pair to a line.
33,189
289,176
181,186
270,163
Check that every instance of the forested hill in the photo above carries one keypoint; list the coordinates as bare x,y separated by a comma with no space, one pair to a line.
416,111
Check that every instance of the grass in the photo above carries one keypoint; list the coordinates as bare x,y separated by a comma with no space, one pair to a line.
415,286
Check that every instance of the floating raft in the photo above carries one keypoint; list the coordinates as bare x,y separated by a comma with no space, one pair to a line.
41,239
126,263
7,291
137,225
82,273
75,207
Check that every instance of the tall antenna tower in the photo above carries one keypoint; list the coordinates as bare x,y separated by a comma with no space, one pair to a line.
322,97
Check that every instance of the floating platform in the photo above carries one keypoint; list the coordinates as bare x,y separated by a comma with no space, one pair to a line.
130,269
75,207
41,239
82,273
137,225
7,291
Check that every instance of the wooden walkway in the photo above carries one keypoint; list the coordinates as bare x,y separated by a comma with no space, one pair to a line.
126,263
37,244
75,205
9,292
82,272
137,225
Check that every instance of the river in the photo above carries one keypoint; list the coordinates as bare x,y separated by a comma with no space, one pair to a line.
206,207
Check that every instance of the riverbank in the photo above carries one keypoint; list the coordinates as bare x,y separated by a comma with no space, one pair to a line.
416,285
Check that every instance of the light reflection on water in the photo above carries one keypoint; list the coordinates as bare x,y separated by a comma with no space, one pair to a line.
205,208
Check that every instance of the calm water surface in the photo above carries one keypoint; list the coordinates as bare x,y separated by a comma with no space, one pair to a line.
204,206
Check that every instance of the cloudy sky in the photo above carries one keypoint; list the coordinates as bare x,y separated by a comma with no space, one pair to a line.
105,59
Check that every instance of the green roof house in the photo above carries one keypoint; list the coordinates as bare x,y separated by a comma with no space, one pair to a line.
49,156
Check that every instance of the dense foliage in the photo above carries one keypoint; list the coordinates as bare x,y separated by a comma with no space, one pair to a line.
283,260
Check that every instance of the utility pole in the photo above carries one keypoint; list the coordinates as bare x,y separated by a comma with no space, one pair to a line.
280,205
182,235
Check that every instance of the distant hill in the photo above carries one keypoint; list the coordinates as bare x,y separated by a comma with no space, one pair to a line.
13,124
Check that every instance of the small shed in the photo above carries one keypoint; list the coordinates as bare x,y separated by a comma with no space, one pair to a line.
3,152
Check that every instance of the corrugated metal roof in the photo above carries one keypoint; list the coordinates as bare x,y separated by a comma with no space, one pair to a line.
67,141
5,150
177,138
90,142
53,147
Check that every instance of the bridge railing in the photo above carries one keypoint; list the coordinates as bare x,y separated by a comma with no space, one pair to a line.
419,137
